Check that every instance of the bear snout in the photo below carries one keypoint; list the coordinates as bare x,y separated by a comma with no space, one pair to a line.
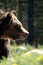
26,33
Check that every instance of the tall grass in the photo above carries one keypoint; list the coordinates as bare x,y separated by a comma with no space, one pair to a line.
18,56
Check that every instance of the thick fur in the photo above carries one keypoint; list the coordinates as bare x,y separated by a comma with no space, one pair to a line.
10,27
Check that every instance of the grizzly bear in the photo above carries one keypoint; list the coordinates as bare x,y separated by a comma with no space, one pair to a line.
10,28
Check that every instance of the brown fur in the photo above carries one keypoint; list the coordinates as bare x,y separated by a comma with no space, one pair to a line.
11,27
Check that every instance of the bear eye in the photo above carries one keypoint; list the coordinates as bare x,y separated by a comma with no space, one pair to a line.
17,26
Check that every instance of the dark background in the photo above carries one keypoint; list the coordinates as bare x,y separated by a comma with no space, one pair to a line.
30,13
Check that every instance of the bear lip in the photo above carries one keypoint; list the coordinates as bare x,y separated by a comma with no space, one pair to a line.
19,36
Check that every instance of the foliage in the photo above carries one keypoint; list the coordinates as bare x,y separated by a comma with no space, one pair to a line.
19,57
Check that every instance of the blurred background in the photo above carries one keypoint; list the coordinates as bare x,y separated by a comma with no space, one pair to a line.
30,13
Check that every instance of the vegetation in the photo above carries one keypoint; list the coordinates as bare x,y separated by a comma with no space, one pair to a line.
19,56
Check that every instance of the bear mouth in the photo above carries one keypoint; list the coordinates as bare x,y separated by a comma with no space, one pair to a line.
15,36
19,36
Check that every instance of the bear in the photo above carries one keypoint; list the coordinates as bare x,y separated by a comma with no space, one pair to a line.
10,28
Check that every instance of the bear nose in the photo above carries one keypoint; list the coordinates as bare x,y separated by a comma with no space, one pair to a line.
25,31
26,34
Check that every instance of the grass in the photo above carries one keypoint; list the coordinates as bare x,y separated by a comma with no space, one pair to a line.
18,56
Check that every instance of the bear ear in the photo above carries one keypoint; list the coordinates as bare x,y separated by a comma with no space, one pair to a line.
6,18
14,12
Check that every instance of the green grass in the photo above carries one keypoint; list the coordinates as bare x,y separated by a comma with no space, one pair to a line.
19,57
